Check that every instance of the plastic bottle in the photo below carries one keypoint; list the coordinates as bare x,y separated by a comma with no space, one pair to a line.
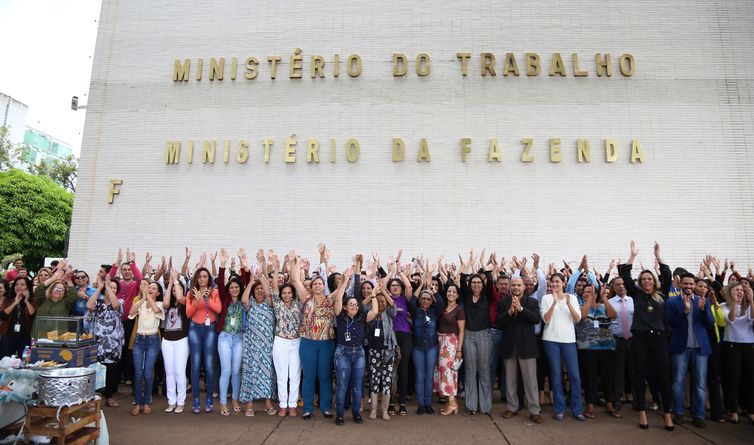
26,356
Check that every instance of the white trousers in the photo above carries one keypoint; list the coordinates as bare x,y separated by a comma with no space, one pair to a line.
287,363
175,356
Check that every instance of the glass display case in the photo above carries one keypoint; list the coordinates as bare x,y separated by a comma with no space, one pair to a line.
61,331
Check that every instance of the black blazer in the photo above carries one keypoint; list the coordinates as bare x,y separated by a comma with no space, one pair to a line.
518,330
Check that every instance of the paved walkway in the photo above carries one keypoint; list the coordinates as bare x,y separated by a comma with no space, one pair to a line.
214,429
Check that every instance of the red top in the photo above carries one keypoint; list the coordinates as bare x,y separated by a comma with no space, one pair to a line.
128,291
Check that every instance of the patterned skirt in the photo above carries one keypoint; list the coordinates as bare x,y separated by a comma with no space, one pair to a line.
380,371
446,379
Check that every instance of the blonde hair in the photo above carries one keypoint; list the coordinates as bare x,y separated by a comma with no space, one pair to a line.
656,295
50,288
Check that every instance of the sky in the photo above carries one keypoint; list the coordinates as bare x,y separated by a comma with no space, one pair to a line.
46,53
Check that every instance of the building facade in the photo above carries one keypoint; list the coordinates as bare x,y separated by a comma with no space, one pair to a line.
561,128
40,146
14,117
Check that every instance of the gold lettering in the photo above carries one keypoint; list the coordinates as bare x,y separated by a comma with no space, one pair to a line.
243,151
332,150
422,64
465,148
464,58
352,150
267,143
584,148
557,66
181,72
191,152
526,156
173,152
510,65
494,154
611,150
354,65
289,153
273,65
318,67
400,67
399,150
226,151
488,64
423,155
297,67
199,68
233,68
555,150
216,68
627,65
251,68
532,64
209,151
312,151
637,154
114,183
604,65
336,67
576,71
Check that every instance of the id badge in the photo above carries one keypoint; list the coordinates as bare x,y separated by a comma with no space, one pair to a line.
17,327
376,332
596,324
206,322
348,336
427,319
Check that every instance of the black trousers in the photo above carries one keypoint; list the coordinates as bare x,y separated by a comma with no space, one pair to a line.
597,364
112,378
127,358
714,370
13,344
543,367
651,358
405,342
623,373
738,365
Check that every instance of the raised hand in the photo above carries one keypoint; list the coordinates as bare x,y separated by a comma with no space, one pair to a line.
132,257
535,258
223,257
119,261
147,258
634,249
702,302
214,256
188,252
657,252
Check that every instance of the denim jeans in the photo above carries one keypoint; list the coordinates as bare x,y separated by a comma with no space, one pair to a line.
698,387
424,365
230,349
349,369
146,350
496,335
316,362
567,351
202,347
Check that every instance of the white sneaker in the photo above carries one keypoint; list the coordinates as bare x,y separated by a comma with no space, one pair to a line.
170,409
178,409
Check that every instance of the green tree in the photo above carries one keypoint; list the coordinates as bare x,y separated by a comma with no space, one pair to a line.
34,215
8,153
63,173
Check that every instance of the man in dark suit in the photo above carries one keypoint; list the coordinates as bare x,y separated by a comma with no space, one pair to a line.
516,317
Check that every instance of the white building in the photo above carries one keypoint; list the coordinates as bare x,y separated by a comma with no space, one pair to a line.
680,86
14,117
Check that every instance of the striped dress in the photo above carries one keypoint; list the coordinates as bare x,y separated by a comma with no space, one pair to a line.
257,372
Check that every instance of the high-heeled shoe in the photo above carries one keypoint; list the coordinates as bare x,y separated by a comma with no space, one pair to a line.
669,427
450,409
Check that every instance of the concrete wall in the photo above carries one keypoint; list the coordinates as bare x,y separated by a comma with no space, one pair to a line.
13,115
689,103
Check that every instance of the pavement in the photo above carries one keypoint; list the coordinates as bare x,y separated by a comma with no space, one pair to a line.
213,429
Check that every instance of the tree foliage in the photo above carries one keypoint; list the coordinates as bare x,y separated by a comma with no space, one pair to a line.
34,216
8,153
63,173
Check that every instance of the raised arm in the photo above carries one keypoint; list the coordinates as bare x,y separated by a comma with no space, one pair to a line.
185,267
295,270
666,277
338,294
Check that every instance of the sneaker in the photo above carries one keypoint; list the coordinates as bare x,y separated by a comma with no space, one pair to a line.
169,409
339,420
420,410
699,423
358,419
654,406
580,418
559,417
429,410
178,409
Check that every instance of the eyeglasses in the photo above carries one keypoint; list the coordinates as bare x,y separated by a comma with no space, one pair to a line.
80,277
353,305
58,289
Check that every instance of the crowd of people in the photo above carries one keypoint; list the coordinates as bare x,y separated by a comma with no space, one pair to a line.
276,330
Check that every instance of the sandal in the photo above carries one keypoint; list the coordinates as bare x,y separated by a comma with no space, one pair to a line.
589,414
196,408
249,412
208,406
615,413
112,403
292,412
270,411
236,407
224,410
282,412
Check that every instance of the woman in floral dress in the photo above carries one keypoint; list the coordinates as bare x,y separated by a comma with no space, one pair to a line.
257,372
105,318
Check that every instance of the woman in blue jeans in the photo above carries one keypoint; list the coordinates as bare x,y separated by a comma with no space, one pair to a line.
317,334
231,323
560,312
146,343
349,353
425,349
202,306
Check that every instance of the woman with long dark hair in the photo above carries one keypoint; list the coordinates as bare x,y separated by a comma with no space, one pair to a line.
17,308
450,332
650,345
106,321
147,310
231,326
